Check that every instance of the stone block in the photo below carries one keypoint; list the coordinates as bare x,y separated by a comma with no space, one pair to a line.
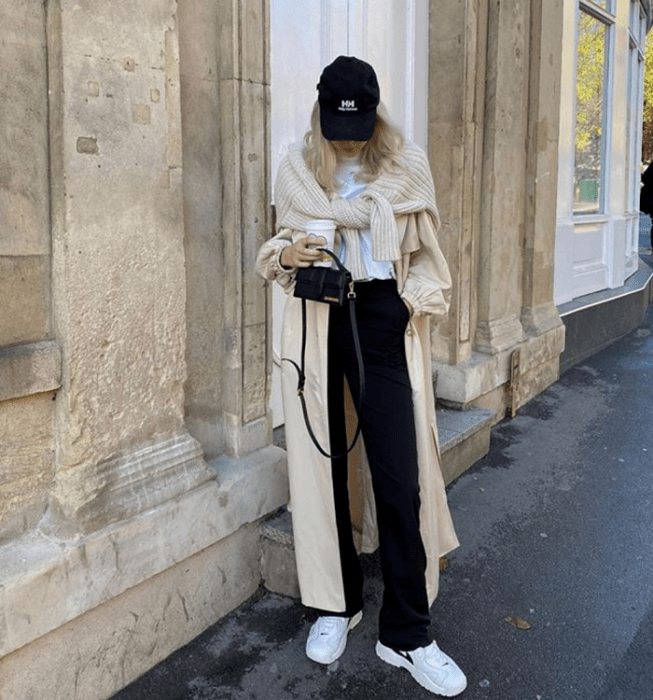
127,33
539,379
463,455
121,311
26,456
96,654
29,369
24,160
46,582
124,486
255,374
256,196
242,438
255,30
243,24
198,39
204,254
459,385
25,294
278,565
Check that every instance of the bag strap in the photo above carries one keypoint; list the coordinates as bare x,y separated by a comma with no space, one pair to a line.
351,303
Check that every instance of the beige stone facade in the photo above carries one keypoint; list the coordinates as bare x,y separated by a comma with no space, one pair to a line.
135,441
494,147
136,455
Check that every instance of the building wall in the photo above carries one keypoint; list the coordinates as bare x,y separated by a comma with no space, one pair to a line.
29,361
493,148
135,442
597,239
598,271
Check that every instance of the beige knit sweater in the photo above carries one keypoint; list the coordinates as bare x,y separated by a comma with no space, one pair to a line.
299,197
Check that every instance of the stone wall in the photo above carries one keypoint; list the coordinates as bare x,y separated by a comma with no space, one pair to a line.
134,436
29,362
225,113
118,263
494,153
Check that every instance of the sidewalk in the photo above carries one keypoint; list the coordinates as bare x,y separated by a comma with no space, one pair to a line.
556,528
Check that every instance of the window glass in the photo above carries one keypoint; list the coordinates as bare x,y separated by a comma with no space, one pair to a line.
589,136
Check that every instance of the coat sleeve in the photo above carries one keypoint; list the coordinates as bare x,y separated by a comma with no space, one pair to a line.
425,273
268,263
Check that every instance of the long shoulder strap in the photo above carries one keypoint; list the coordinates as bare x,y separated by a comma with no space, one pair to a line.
351,299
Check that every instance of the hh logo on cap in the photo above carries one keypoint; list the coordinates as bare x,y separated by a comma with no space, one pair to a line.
348,106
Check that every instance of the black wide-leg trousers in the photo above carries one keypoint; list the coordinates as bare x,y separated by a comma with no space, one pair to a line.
388,430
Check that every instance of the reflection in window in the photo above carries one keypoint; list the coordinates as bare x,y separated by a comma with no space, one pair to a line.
590,84
601,3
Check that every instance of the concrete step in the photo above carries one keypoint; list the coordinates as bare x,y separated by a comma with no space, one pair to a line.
464,439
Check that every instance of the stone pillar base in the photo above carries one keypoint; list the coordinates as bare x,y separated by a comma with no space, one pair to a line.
484,379
49,586
125,486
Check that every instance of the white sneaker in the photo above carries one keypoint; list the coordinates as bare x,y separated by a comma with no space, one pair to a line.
328,637
429,666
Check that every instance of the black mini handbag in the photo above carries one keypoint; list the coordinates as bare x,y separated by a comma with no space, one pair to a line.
324,284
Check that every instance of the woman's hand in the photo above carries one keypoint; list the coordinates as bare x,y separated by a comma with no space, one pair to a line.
301,254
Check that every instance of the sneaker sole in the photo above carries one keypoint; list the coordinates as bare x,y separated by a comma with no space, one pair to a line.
339,651
390,657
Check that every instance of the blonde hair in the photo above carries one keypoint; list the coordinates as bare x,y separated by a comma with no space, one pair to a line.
382,153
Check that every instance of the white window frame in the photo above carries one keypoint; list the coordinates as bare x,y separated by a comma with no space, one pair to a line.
608,19
599,251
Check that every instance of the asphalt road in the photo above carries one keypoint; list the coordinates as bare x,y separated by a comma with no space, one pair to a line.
556,529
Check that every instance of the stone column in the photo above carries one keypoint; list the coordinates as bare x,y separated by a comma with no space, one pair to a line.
540,318
118,262
29,359
244,96
458,36
493,130
502,189
203,241
539,312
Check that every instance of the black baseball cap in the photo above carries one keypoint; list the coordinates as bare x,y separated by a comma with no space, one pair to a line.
348,94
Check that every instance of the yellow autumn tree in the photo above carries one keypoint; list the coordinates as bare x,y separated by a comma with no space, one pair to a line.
647,136
589,81
590,75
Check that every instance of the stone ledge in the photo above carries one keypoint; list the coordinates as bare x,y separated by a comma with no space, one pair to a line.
32,368
99,653
460,386
464,439
454,427
45,583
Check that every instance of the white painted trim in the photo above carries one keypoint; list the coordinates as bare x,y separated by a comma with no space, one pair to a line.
411,60
597,11
617,218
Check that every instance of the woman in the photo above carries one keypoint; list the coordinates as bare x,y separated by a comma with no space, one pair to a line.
356,170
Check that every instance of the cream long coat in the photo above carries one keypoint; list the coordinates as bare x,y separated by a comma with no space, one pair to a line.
423,280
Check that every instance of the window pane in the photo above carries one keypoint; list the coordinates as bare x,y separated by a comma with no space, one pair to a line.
605,4
637,21
590,79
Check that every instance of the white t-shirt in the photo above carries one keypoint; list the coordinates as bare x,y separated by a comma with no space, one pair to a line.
349,189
